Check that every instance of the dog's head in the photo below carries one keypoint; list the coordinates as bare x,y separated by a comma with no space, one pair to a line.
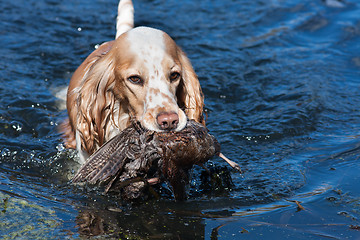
151,79
149,75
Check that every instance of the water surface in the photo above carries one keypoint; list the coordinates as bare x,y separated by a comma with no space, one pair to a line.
281,83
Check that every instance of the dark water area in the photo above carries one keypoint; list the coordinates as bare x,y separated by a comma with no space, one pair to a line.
282,86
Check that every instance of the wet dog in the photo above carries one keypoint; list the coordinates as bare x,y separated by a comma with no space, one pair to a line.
140,76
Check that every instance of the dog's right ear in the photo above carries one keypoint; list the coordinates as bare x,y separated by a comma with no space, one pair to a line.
95,102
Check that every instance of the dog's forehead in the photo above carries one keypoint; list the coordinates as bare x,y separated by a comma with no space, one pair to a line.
145,40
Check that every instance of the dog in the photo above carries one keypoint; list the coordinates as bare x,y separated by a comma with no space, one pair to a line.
140,76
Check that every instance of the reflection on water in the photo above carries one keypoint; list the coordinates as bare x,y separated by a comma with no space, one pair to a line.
281,83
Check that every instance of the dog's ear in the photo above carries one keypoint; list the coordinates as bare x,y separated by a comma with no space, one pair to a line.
95,103
189,93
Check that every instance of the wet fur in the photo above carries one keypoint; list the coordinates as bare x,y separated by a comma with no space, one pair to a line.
101,102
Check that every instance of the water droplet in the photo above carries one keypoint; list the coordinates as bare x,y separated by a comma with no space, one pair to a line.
17,126
5,152
60,147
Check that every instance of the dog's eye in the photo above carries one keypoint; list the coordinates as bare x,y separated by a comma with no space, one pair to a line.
174,76
135,79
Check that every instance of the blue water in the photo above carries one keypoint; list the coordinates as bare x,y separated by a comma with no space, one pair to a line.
282,86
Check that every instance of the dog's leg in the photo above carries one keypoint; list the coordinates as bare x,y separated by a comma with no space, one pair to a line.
125,18
83,155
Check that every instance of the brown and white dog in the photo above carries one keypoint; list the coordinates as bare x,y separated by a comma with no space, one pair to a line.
142,76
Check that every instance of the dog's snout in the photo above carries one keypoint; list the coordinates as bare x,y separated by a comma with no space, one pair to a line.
167,120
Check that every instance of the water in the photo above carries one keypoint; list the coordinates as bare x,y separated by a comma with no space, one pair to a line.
281,82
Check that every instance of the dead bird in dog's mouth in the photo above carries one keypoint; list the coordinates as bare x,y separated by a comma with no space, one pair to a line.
137,158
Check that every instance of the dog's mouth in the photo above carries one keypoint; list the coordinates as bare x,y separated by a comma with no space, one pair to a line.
163,122
139,126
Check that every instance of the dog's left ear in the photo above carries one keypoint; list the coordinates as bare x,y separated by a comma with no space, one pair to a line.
189,93
95,103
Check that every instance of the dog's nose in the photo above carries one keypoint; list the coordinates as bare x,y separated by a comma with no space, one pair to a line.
167,120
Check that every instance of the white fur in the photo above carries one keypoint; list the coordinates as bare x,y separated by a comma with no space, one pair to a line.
83,155
125,18
149,45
